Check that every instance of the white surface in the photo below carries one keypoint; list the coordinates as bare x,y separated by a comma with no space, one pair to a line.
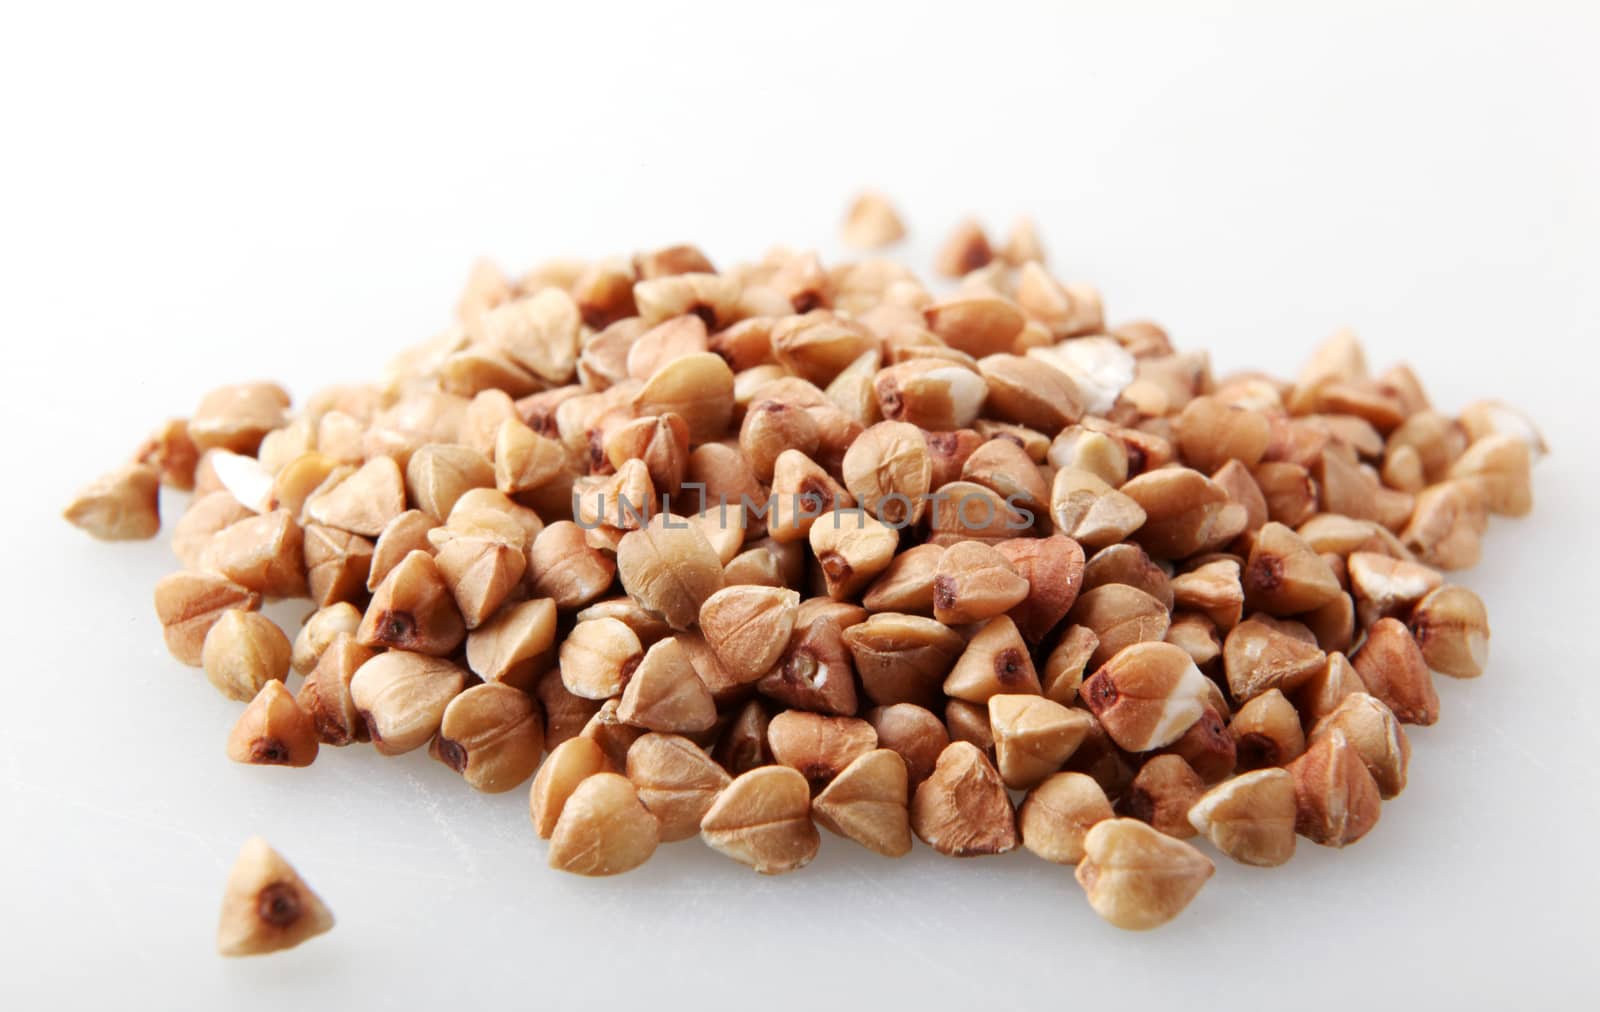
199,195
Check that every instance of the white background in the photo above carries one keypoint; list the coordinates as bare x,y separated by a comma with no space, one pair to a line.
214,192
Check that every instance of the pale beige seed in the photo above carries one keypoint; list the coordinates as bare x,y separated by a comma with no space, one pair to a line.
598,656
1258,656
364,503
1033,736
568,765
406,533
868,803
1101,454
935,394
413,609
771,427
996,661
242,652
507,648
238,417
670,568
493,735
267,906
698,388
402,696
664,693
749,627
1119,616
852,548
676,781
801,492
1250,818
1026,391
763,820
563,567
889,471
974,583
206,515
664,342
818,746
1498,467
1137,878
1065,665
1320,694
337,564
962,809
907,584
1058,813
121,506
264,553
964,251
1147,695
481,573
273,730
321,629
1211,432
1284,575
172,453
1004,466
524,459
1185,512
1067,310
1213,588
872,222
188,604
1090,511
438,474
1451,628
489,513
604,828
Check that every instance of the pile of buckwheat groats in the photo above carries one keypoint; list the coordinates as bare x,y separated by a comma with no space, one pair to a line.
789,544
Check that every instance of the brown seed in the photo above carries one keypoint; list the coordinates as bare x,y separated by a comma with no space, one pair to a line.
1063,669
931,393
242,652
1323,691
1137,878
493,735
1197,635
815,672
818,345
966,250
749,627
742,746
1029,392
1285,576
1451,628
1258,656
902,658
188,604
1446,527
666,341
1336,799
406,533
868,803
962,809
1250,818
1162,794
337,564
676,781
598,657
413,610
914,733
1388,587
1375,734
852,548
273,730
975,322
1053,568
325,693
670,568
973,583
1393,669
664,693
996,661
872,222
267,906
364,503
1185,512
1266,732
1058,813
1147,695
769,428
1033,736
1498,467
763,820
818,746
122,506
948,452
1290,494
1212,432
1119,616
1128,564
206,515
481,573
264,553
604,829
967,511
1090,511
568,765
402,696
